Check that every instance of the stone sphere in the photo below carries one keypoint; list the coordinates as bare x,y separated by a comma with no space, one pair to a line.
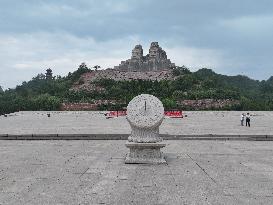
145,111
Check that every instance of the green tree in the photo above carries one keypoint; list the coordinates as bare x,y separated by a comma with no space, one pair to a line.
180,70
169,103
46,102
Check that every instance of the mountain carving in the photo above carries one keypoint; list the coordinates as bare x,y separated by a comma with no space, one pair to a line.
156,60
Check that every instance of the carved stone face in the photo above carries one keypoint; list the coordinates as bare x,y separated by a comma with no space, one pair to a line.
153,52
137,52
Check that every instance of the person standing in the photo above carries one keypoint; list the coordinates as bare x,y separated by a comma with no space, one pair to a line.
242,119
248,120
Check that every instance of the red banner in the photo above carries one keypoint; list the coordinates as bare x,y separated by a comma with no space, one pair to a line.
171,114
174,114
116,113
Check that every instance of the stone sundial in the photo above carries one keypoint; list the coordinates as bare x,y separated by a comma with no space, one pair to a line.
145,114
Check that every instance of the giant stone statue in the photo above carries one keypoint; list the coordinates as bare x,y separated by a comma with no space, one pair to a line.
156,60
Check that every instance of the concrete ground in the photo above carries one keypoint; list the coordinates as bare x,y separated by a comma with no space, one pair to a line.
196,123
93,172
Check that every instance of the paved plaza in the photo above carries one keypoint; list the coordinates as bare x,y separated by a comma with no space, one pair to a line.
196,123
94,172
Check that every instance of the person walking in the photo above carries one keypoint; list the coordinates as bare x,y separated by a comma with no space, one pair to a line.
248,120
242,119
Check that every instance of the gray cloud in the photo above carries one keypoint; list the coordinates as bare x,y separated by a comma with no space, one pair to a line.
232,37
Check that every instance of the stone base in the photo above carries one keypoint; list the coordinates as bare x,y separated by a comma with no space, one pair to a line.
145,153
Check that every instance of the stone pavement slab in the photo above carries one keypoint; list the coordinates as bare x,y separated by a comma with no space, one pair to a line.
94,172
196,123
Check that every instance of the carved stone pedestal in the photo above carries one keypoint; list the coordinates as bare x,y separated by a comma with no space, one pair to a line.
145,114
145,153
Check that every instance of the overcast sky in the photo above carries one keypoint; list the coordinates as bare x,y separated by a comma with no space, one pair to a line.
229,36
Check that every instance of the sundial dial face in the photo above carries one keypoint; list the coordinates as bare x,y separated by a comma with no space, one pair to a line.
145,111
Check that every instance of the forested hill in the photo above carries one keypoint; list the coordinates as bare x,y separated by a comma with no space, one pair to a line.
203,89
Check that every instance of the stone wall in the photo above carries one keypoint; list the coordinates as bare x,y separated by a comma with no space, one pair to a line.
78,106
86,106
203,104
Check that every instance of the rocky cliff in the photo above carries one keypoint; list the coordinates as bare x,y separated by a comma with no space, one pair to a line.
86,80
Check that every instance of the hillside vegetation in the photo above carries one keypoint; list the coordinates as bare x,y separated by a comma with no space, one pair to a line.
47,92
